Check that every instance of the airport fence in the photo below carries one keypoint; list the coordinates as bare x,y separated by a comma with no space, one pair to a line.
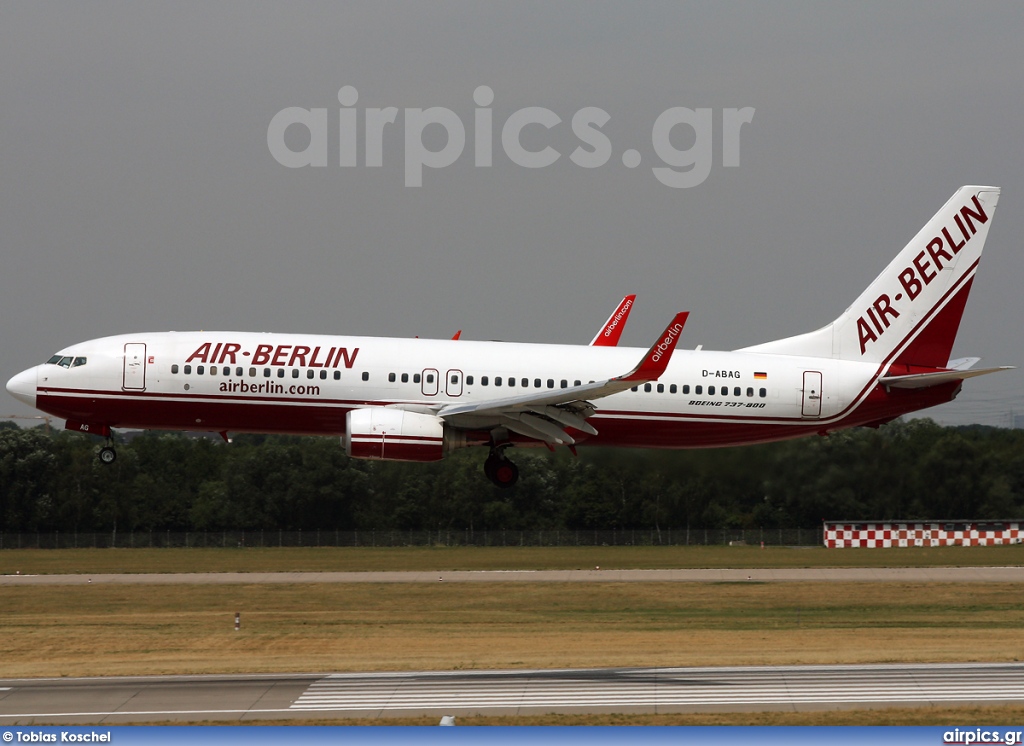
442,538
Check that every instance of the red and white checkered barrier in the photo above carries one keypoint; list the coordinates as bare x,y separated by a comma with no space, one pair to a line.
923,534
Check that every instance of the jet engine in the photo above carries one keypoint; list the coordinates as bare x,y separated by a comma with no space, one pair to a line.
385,433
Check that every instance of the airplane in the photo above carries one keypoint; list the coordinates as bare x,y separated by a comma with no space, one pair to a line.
419,399
612,329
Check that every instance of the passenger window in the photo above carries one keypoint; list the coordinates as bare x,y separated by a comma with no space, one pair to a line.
366,376
295,372
455,378
762,393
672,389
698,389
323,375
469,380
711,390
174,368
497,380
750,391
415,377
188,370
736,391
252,372
391,378
337,375
200,370
551,383
647,387
310,373
484,380
430,377
661,388
634,389
405,378
565,384
686,388
266,372
525,383
536,383
511,382
280,372
213,370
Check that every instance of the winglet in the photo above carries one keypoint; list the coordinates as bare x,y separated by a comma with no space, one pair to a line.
457,334
612,329
656,360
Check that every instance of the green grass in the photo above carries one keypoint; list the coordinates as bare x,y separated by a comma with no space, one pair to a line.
59,561
181,629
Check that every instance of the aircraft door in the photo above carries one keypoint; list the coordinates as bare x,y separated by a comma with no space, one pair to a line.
430,382
134,377
812,394
453,383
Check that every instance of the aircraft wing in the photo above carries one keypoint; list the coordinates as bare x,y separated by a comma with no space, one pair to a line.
543,414
924,380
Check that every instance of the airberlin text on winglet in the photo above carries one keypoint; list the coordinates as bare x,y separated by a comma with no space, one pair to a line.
669,342
277,355
921,272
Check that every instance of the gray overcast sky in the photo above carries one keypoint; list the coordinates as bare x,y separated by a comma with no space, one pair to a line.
138,192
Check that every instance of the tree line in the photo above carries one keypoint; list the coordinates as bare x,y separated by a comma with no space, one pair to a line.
173,482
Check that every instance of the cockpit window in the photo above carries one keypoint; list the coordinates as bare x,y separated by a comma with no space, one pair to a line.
66,361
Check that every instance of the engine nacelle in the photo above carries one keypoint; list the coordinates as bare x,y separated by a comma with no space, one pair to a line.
388,434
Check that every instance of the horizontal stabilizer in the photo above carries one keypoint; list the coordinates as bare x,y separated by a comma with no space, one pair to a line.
924,380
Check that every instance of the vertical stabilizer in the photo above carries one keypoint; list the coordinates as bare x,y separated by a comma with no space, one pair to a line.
911,312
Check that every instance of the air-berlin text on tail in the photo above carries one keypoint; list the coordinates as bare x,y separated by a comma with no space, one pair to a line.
626,305
921,271
276,355
666,344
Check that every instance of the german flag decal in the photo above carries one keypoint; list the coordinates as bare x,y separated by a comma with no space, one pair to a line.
759,375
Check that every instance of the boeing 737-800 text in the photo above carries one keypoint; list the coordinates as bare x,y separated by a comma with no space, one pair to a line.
418,399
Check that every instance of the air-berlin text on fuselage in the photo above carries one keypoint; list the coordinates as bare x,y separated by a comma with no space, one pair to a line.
922,270
673,332
278,355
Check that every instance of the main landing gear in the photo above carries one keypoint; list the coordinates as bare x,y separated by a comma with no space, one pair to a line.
107,455
499,469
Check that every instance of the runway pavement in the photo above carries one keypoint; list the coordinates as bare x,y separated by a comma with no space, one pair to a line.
762,575
463,693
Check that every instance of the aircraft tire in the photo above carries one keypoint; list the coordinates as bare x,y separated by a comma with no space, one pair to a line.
107,455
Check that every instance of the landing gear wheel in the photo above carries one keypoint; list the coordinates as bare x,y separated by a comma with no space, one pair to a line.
107,455
501,471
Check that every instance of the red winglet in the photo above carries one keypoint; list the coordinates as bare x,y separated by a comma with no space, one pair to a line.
612,329
656,359
457,334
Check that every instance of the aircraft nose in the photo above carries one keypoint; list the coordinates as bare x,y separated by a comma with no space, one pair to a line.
23,387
